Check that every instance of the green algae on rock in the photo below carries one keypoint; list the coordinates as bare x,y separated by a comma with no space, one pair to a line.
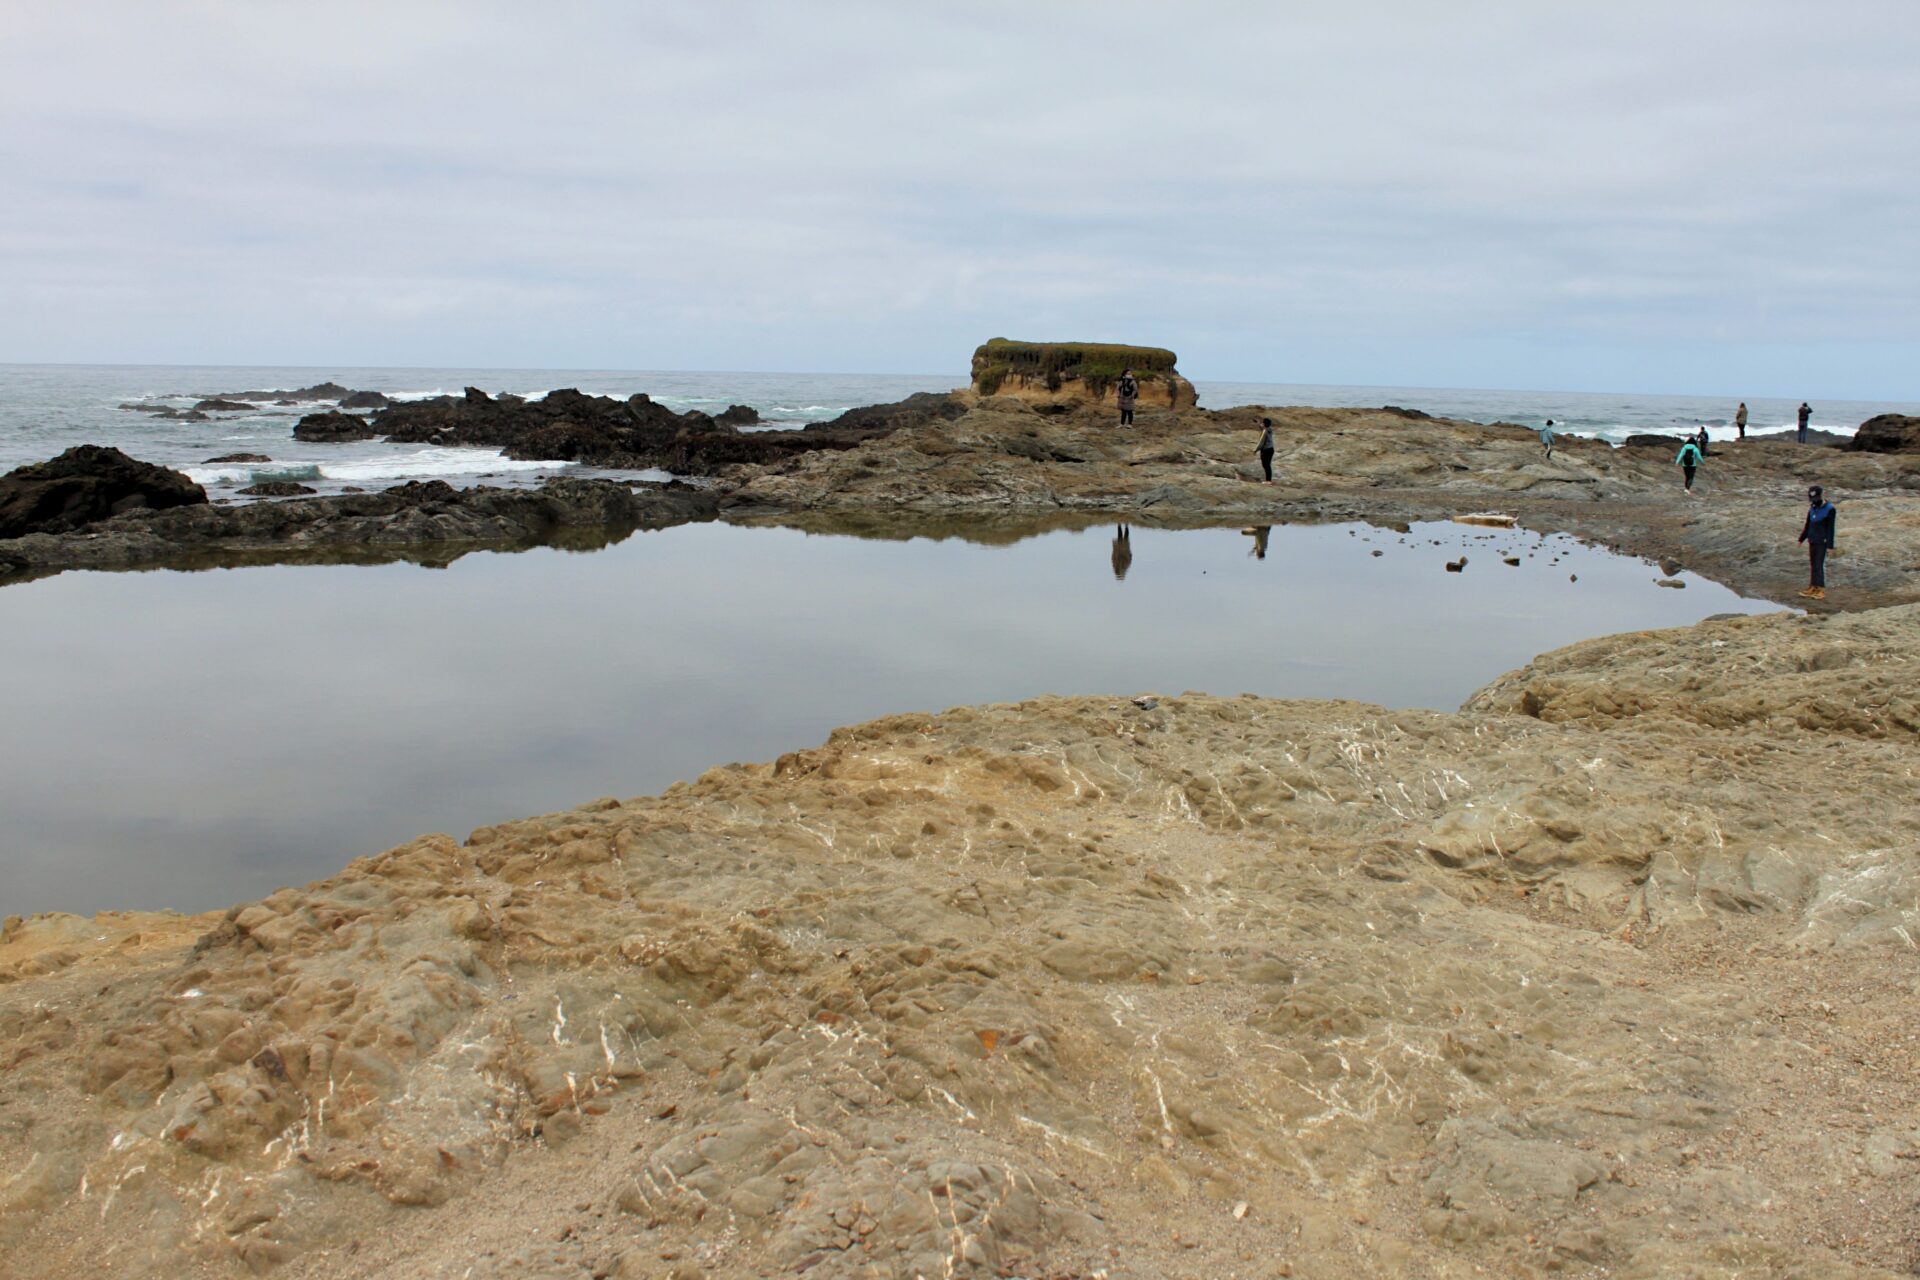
1077,372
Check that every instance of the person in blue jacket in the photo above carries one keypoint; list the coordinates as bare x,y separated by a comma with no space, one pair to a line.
1546,438
1817,533
1689,459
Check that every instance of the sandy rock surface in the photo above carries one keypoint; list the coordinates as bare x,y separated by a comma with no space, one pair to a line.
1003,461
1611,973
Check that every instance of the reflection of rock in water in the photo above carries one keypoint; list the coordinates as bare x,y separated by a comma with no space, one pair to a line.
1122,552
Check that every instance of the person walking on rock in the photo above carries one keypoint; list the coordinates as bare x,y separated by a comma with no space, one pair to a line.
1127,390
1740,419
1805,414
1689,459
1266,447
1546,438
1817,533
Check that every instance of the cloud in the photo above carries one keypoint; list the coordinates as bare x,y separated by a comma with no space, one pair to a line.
1382,192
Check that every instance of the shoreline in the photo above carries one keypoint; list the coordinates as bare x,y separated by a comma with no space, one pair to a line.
999,465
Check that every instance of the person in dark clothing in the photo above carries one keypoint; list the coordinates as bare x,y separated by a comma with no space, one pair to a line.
1127,390
1822,520
1266,447
1689,459
1740,419
1700,438
1122,552
1805,414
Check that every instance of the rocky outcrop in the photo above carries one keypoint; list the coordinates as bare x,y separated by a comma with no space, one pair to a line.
364,400
218,405
238,457
85,484
318,391
567,425
333,427
1002,459
1054,376
1144,987
168,412
276,489
1888,433
429,521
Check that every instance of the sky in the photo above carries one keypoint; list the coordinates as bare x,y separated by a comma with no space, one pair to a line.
1690,196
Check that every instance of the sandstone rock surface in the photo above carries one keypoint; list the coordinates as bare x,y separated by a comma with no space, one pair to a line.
1054,376
1609,973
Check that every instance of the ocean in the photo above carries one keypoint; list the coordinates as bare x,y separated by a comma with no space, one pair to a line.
45,409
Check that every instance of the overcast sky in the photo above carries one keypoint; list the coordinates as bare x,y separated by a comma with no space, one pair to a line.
1687,196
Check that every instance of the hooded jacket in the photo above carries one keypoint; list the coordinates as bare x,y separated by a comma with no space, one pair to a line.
1821,523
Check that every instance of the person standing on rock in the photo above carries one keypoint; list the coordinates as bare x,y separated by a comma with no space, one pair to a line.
1805,414
1266,447
1689,459
1822,519
1546,439
1740,419
1700,438
1127,390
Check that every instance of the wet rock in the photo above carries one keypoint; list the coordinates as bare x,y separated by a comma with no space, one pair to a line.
85,484
218,405
332,427
737,415
364,400
276,489
1888,433
238,457
1675,583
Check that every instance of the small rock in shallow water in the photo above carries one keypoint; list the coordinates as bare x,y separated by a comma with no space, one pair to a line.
1670,582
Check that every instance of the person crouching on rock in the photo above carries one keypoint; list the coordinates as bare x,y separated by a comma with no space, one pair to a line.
1127,390
1822,519
1266,447
1689,459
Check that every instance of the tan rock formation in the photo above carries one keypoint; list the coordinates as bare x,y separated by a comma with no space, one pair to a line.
1003,461
1053,376
1610,973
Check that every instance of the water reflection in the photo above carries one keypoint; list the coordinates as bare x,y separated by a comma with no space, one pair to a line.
1122,552
197,739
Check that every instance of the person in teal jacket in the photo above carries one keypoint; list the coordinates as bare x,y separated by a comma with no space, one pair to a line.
1689,460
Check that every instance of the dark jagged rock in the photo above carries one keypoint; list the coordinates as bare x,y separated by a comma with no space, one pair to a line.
737,415
1888,433
332,427
1417,415
318,391
418,520
364,400
221,405
85,484
276,489
567,425
1647,440
169,412
238,457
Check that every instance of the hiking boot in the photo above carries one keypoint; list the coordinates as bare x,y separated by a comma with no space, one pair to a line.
1819,593
1807,591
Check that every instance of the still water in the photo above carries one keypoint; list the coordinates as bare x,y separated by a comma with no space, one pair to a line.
191,740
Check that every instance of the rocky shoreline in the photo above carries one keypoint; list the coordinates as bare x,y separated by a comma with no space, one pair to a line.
1607,973
963,462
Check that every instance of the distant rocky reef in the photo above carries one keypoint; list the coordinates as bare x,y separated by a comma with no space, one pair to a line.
570,426
1058,376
